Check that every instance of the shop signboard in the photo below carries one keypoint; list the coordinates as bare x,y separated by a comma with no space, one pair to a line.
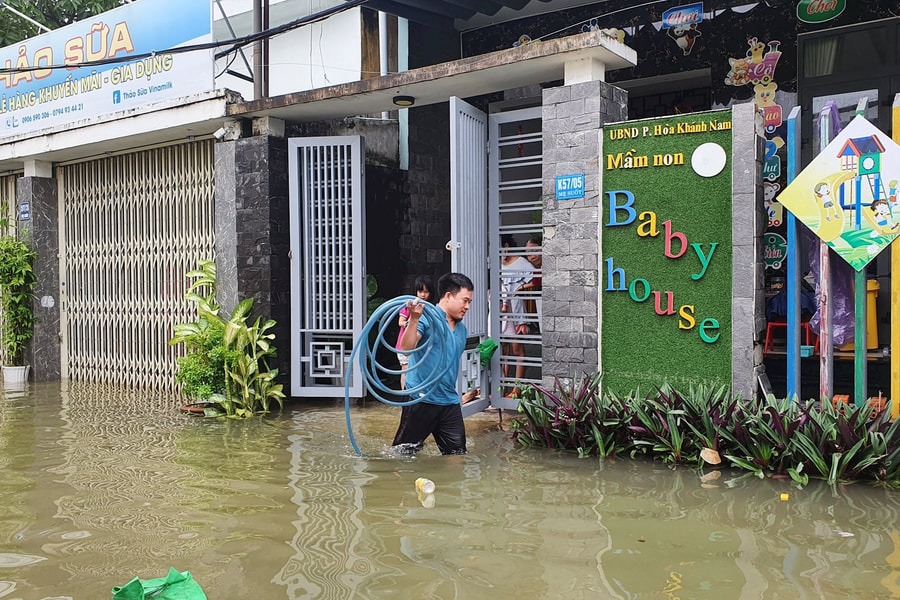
128,57
819,11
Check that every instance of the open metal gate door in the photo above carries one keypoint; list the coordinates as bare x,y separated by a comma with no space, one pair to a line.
516,213
468,236
328,292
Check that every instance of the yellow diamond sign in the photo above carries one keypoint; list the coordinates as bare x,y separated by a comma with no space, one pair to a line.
848,194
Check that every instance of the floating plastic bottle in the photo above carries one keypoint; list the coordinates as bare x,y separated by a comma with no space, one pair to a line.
425,486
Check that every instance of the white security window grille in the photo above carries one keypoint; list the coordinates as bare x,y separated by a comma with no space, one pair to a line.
328,306
131,226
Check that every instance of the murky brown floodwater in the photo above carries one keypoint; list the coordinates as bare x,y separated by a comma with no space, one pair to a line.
98,486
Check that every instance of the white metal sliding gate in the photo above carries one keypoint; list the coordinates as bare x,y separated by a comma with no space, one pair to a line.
328,298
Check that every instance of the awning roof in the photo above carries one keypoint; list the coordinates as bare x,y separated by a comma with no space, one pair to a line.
444,13
483,74
201,115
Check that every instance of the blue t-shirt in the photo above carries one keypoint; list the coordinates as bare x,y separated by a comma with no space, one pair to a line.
425,365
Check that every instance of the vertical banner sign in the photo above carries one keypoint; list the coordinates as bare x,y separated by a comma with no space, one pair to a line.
665,261
115,61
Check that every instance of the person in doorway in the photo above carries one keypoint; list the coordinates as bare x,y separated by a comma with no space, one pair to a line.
534,256
515,271
423,286
439,413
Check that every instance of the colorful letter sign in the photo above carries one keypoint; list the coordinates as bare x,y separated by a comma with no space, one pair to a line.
848,194
666,255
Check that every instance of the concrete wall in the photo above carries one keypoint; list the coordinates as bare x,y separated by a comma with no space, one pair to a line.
748,267
426,222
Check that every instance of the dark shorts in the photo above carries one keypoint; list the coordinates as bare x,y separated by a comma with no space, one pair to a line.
444,422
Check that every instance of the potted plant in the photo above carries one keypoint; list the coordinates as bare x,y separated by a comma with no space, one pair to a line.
17,280
226,364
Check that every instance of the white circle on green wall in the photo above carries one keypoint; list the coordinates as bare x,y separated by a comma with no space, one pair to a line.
708,159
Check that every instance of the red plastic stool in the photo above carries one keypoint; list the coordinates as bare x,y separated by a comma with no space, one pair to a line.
772,325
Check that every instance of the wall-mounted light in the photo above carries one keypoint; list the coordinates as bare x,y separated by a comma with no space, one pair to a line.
404,101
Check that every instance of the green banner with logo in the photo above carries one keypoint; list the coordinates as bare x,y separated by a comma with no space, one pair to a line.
666,252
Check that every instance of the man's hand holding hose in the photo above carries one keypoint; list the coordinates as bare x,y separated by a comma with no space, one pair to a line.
411,334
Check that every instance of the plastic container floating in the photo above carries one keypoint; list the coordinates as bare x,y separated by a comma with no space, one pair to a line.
806,351
425,486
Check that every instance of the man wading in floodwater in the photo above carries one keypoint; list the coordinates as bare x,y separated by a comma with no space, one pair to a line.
439,413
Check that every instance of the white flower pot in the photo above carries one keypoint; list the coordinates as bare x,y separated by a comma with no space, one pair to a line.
15,376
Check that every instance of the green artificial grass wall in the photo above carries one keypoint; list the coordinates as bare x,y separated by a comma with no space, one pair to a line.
647,166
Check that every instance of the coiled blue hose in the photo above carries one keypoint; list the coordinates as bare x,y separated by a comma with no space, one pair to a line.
371,338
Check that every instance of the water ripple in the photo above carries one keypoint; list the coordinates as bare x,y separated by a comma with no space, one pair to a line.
9,560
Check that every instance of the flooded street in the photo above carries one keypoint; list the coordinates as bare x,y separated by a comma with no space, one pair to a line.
100,485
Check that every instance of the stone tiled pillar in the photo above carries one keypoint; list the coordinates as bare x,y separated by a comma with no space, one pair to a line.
572,117
42,231
253,232
748,266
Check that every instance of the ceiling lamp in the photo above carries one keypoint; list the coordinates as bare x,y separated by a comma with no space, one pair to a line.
404,101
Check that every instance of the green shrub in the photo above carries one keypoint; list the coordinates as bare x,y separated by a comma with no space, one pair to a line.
17,281
202,371
226,363
768,437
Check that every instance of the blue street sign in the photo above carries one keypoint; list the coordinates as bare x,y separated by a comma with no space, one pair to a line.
569,187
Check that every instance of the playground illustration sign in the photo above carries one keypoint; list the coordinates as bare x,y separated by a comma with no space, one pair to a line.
847,195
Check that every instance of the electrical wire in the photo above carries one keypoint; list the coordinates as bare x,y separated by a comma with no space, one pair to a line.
233,44
372,338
